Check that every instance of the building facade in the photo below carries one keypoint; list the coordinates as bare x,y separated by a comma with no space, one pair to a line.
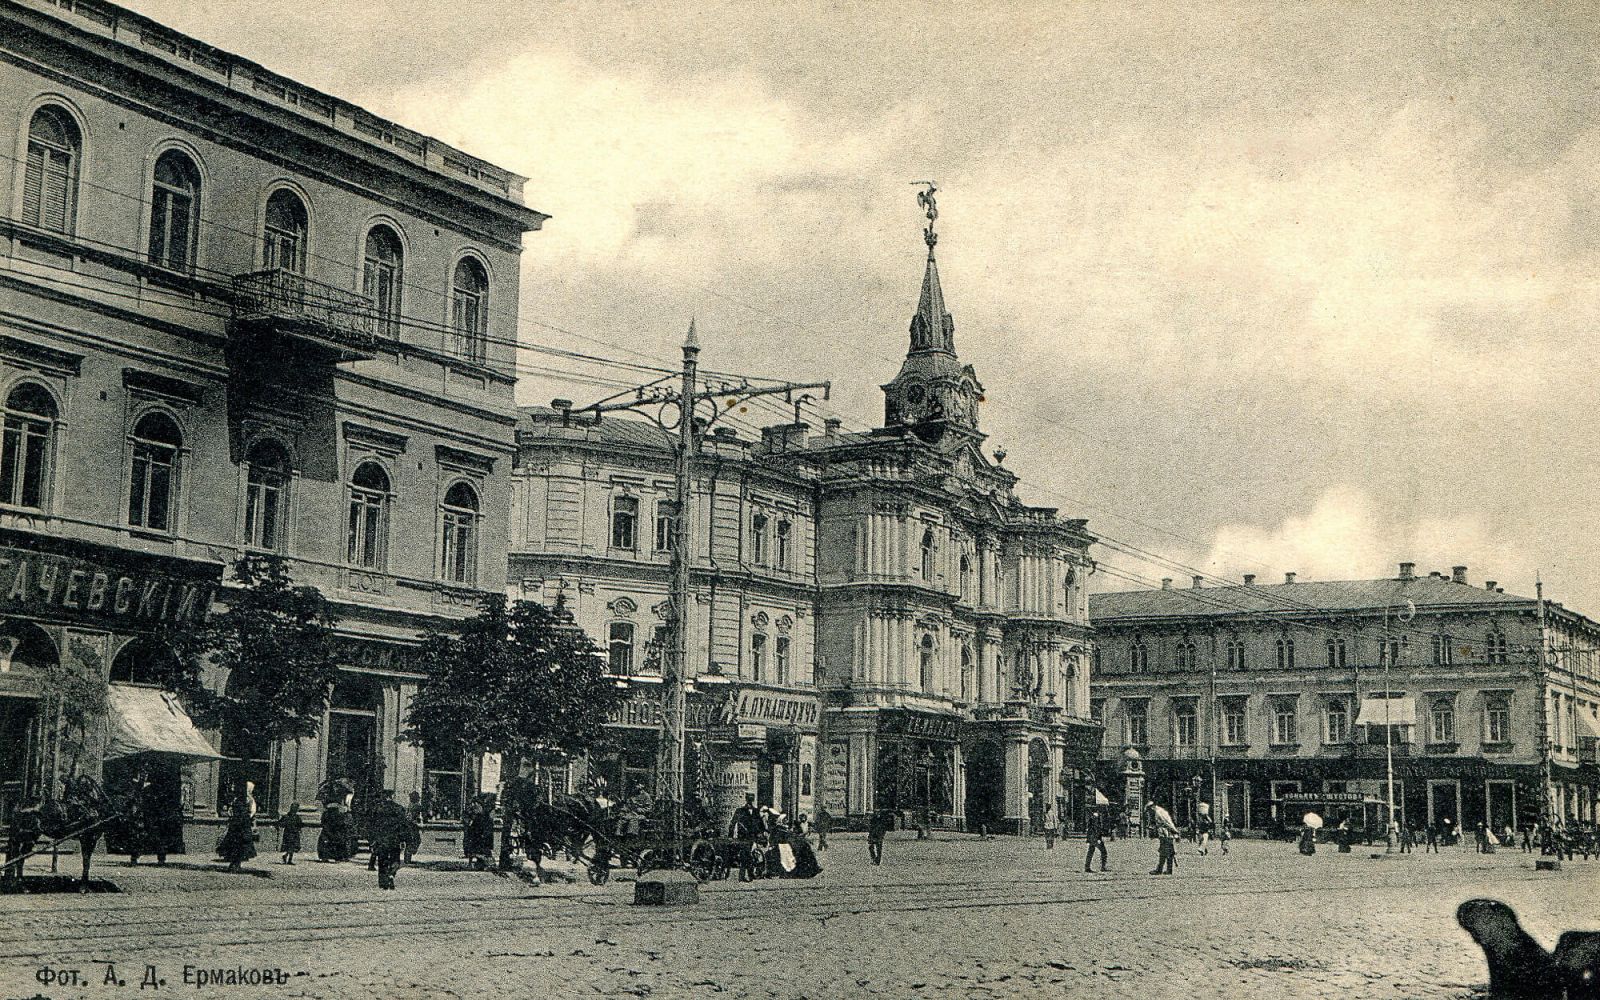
1310,689
954,646
237,315
593,525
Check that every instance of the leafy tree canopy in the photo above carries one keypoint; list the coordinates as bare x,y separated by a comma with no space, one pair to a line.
517,679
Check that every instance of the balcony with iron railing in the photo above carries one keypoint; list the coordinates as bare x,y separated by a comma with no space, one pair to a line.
284,303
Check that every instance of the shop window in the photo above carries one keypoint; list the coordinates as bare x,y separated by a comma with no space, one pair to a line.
625,523
284,235
780,661
443,788
25,457
353,754
245,758
50,178
174,212
266,496
619,648
458,535
153,485
366,538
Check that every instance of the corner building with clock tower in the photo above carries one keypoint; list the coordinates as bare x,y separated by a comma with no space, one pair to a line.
953,644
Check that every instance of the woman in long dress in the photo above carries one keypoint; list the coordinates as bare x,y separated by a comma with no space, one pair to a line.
335,839
239,842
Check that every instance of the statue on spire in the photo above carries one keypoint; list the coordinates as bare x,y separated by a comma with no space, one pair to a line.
926,202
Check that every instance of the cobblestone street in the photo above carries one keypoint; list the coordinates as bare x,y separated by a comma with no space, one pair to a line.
953,917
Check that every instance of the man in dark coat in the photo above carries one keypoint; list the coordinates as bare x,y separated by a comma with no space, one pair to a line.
1095,830
744,828
877,830
391,830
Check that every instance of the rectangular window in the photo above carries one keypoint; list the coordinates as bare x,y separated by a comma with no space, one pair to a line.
620,648
443,787
1497,722
666,525
758,539
1232,722
1285,725
1184,725
625,523
1136,715
1442,722
758,656
1338,722
785,530
780,661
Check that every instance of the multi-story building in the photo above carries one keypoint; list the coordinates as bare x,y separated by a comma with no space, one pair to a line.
954,645
879,622
1312,688
237,315
594,522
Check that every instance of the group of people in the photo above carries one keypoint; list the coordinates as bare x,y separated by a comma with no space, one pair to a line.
1563,839
767,845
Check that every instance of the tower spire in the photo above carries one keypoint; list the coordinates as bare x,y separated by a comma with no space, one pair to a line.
932,329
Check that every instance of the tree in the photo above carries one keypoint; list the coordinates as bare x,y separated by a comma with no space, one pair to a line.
517,679
275,643
73,694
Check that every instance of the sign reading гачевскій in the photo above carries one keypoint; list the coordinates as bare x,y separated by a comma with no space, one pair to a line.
50,585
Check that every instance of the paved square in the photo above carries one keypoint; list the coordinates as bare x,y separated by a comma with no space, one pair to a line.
954,917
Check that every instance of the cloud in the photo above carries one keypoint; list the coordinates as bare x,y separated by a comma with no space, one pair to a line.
1348,535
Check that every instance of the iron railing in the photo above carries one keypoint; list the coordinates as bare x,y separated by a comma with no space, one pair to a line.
310,308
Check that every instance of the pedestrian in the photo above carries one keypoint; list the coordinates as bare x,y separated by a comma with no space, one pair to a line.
1481,839
1341,836
1061,825
390,826
1095,831
414,821
477,839
745,827
1308,841
1408,838
289,825
238,843
335,839
1527,838
1433,838
877,828
1202,831
823,826
924,821
1224,834
162,806
1167,834
1049,820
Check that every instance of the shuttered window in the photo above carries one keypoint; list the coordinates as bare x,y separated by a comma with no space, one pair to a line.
50,182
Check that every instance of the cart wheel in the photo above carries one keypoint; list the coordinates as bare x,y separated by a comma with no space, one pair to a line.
599,875
649,861
700,870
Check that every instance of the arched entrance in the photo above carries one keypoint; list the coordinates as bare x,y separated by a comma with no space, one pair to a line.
1040,794
986,786
155,782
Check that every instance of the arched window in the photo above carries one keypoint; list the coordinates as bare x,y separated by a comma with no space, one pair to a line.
469,309
143,661
925,657
758,656
1069,591
382,276
966,578
625,523
927,556
1443,653
367,532
1236,660
1185,657
50,181
1138,657
780,660
174,212
30,422
153,487
1285,653
284,236
458,534
781,545
966,673
619,648
1336,653
266,495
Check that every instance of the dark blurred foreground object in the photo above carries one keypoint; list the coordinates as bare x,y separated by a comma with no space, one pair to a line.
1520,968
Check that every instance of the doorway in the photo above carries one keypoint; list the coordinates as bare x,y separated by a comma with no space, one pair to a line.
1500,804
1444,803
986,786
1039,792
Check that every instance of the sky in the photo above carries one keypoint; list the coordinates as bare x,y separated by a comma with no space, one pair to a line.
1258,288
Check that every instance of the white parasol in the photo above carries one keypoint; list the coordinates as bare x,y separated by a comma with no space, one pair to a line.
1313,821
1162,816
1100,798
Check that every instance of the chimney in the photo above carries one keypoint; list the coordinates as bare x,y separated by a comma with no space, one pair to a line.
1288,578
1458,574
784,437
1408,571
725,433
1436,575
1166,583
1249,579
1199,581
1499,590
830,429
1488,584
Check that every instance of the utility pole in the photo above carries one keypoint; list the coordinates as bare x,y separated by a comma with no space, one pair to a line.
1546,751
685,415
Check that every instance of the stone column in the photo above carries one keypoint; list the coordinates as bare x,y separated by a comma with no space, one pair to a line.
958,794
1016,748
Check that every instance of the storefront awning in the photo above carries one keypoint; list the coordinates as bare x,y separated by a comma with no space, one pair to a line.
145,720
1587,721
1387,712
